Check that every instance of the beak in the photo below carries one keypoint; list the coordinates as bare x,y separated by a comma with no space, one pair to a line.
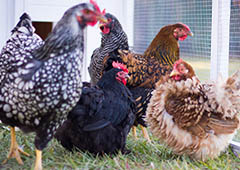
174,73
127,76
100,25
102,18
190,34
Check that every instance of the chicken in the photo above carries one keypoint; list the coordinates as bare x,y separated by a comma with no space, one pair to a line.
113,38
193,118
103,116
23,40
40,87
145,70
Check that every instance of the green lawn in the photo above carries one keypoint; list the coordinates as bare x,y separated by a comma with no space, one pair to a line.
202,67
143,156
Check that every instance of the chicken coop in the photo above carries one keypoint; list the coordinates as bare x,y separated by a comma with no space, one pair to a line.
214,48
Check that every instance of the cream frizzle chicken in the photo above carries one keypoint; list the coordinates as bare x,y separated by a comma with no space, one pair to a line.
193,118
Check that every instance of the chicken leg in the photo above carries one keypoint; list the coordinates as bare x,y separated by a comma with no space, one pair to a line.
134,131
38,162
14,149
145,133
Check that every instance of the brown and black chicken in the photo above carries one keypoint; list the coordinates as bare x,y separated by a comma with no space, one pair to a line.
193,118
145,70
102,118
41,86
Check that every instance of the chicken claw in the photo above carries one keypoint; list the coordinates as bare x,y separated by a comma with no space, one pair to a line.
15,150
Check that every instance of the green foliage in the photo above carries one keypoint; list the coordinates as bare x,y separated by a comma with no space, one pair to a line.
143,155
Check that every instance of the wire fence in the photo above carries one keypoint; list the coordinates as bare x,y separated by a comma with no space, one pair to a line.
151,15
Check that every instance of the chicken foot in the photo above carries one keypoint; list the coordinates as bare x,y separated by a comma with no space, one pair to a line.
15,150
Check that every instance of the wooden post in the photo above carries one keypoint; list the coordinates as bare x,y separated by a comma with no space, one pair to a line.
220,38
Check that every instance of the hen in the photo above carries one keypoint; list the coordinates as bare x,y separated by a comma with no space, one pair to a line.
192,118
145,70
41,86
103,116
113,38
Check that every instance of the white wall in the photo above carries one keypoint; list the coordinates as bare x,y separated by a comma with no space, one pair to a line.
6,20
52,10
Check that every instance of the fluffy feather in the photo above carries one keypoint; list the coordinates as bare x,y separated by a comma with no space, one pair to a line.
195,119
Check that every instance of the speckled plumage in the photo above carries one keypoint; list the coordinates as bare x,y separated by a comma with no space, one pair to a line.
110,43
21,43
195,119
44,84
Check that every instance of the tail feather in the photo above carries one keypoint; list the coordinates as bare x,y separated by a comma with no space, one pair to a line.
24,25
234,80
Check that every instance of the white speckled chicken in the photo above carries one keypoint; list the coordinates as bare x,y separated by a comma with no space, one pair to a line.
41,86
191,118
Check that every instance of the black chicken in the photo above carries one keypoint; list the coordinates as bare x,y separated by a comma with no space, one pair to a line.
40,87
101,120
113,39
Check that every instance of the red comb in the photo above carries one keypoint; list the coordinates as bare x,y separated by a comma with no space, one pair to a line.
120,66
95,5
177,63
187,27
104,11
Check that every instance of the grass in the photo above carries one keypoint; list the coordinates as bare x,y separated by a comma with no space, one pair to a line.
202,66
143,156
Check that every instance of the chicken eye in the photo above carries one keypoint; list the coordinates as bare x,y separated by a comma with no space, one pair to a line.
87,11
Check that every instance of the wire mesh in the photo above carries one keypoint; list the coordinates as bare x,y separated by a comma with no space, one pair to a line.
234,42
151,15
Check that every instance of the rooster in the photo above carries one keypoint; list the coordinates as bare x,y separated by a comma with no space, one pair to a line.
193,118
103,116
41,86
113,39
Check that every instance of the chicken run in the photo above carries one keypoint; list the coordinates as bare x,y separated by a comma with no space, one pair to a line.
42,91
